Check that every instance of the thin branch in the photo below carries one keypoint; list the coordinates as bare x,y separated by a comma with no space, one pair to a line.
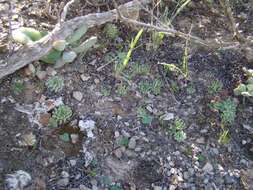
213,44
228,13
65,11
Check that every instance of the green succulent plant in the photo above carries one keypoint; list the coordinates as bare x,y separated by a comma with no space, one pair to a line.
62,114
246,89
176,129
55,83
227,110
215,87
145,118
58,53
111,31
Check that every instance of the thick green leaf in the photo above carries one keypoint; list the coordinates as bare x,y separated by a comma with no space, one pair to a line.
52,56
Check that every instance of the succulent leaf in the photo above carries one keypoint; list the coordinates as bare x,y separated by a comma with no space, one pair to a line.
239,89
59,45
52,56
86,45
68,56
77,34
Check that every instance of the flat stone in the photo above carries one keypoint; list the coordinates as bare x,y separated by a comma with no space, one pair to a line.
41,75
132,143
83,187
168,116
78,95
74,138
63,182
208,168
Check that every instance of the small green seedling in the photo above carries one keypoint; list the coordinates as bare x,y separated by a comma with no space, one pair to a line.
55,83
64,137
245,89
105,91
145,118
18,87
157,39
154,87
176,129
124,141
111,31
215,87
224,137
132,46
227,110
62,114
122,90
140,69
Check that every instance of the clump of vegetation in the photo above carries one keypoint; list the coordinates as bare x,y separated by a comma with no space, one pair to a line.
157,39
62,114
215,87
122,90
190,89
176,129
111,31
55,83
245,89
140,69
227,110
145,118
18,87
224,137
154,87
105,91
124,141
58,54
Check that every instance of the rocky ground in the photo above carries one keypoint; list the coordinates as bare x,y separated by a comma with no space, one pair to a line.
119,135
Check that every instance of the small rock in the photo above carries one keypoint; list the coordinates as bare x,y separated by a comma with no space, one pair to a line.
29,70
44,119
78,95
97,81
208,168
130,153
116,134
27,139
201,140
85,78
168,116
63,182
157,188
248,127
72,162
41,75
229,179
87,126
186,175
51,71
244,142
64,174
132,143
83,187
118,153
74,138
19,180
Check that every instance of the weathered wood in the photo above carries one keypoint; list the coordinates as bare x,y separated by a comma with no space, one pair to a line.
33,52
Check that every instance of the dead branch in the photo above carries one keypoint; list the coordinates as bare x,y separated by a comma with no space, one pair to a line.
212,44
33,52
234,27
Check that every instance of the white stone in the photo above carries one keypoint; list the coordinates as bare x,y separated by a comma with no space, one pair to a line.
78,95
